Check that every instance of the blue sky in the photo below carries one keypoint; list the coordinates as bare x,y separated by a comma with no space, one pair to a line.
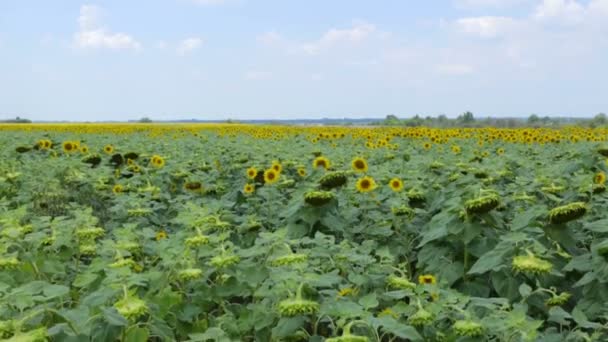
246,59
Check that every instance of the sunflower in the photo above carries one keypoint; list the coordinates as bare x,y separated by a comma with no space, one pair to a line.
109,149
271,176
366,184
359,164
69,146
456,149
600,178
500,151
157,161
427,279
117,189
427,146
396,184
84,149
193,186
249,188
277,166
161,235
252,172
321,162
302,172
47,144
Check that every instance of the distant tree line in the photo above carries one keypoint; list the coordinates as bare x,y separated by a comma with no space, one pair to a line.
16,120
467,119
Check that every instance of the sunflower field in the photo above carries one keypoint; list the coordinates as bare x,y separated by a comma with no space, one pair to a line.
211,232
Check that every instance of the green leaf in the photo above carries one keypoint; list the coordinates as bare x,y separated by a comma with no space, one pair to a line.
525,290
214,334
398,329
492,260
600,226
113,317
369,301
53,291
288,326
581,319
137,335
84,279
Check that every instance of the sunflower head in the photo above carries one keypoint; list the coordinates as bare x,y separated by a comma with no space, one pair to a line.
297,306
421,318
531,264
468,328
599,178
84,149
197,241
193,186
302,172
223,261
333,180
157,161
321,162
396,184
249,189
427,279
318,198
400,283
500,151
558,300
161,235
567,212
11,263
108,149
481,205
131,307
117,189
366,184
359,164
189,274
271,176
289,259
252,172
403,210
69,146
276,165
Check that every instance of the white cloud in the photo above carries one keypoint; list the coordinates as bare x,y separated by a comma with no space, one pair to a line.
486,27
562,11
92,36
333,37
257,75
188,45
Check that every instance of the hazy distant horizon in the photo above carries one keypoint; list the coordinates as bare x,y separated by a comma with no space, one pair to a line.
118,60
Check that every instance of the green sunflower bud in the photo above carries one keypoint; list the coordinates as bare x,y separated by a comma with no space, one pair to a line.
421,318
416,196
287,183
223,261
482,204
294,307
139,212
197,241
131,247
89,233
598,188
567,212
333,179
289,259
558,300
189,274
531,264
11,263
400,283
468,328
403,211
88,249
436,165
126,262
131,307
318,198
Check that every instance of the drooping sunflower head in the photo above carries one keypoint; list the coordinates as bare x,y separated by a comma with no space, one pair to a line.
193,186
359,164
366,184
599,178
400,283
157,161
531,264
427,279
558,300
321,162
108,149
468,328
567,212
421,318
297,306
271,176
249,189
483,204
69,146
396,184
318,198
333,179
252,172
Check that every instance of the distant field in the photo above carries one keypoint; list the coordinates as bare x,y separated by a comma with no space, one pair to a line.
235,232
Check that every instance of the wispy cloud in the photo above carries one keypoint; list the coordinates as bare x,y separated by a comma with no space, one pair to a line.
91,35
